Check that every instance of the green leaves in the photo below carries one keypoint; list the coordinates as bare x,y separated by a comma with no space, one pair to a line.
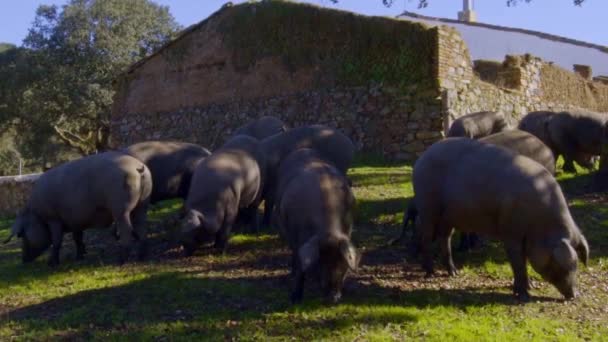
59,84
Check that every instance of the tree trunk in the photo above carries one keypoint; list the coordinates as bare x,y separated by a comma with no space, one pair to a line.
83,145
103,139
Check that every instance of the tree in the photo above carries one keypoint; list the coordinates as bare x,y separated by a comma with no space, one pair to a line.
425,3
6,46
73,55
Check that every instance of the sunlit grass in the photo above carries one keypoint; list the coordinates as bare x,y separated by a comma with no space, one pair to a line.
243,295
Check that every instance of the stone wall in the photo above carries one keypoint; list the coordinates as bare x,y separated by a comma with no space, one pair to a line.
378,118
580,91
14,193
521,84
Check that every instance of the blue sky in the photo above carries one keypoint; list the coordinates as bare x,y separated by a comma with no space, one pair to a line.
560,17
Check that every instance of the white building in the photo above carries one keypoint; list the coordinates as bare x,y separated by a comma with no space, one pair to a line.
492,42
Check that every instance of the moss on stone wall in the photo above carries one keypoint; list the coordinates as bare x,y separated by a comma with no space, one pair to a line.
347,48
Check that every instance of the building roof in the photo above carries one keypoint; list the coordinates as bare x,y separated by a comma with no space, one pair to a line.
543,35
183,33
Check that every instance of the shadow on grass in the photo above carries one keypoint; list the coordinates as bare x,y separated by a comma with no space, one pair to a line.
100,246
102,250
393,177
578,184
190,304
461,298
376,160
588,207
592,219
370,210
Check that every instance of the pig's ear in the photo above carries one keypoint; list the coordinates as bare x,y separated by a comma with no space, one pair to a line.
539,256
18,227
350,255
582,249
191,221
565,255
309,253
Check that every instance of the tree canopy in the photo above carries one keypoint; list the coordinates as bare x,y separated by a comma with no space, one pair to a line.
70,57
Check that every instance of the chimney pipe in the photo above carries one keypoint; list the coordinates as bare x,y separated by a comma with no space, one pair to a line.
467,13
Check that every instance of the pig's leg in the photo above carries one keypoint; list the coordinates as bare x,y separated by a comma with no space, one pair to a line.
125,232
77,235
445,242
268,208
517,259
139,220
254,219
426,230
568,165
298,289
56,241
223,235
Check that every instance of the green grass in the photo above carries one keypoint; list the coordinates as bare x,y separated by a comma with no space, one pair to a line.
243,295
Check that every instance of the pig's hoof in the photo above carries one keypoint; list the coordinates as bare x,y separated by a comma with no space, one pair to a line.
296,298
123,255
141,256
221,248
523,297
188,250
452,271
80,253
142,253
334,299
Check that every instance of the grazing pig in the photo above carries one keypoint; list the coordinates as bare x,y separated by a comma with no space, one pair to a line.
535,124
93,191
331,145
574,135
171,165
486,189
478,125
227,181
262,128
315,216
515,140
520,142
526,144
577,136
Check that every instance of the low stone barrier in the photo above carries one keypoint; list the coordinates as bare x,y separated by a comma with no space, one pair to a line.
14,192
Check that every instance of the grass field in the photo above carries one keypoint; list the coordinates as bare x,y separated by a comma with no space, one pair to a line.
243,295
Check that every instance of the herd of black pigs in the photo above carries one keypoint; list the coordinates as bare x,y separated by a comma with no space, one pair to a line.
485,178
